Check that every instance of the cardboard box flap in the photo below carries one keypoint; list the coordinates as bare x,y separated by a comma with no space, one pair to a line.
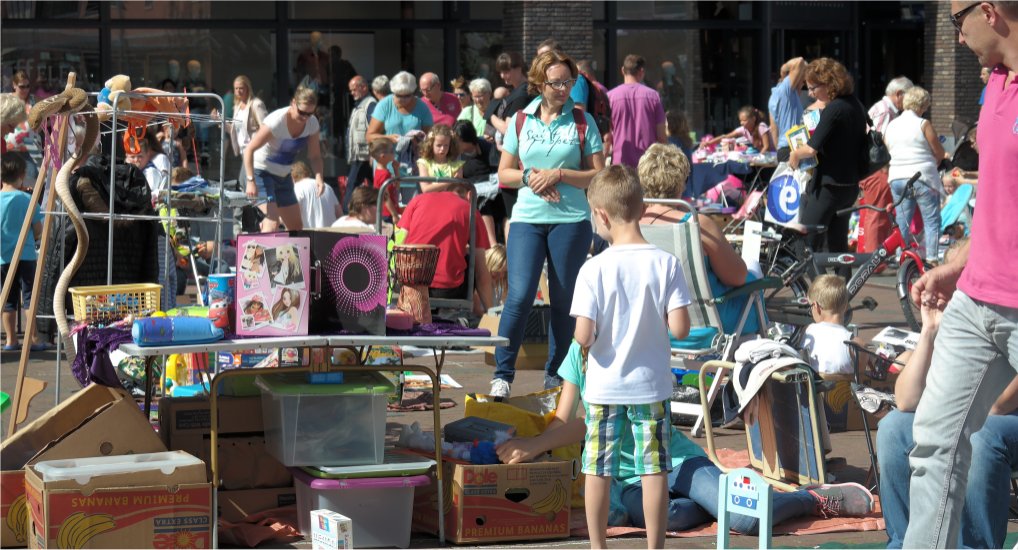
116,428
18,449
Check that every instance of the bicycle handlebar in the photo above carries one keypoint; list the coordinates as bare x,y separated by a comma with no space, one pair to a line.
908,189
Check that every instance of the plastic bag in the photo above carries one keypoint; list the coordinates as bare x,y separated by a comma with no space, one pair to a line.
530,414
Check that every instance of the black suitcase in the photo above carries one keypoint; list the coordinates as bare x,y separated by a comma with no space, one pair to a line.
350,280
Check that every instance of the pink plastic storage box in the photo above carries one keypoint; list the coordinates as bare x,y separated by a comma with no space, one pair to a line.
380,508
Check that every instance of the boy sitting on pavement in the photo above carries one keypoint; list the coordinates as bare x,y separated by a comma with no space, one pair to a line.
623,299
824,341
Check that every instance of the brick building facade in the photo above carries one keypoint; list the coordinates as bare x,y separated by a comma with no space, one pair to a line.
952,71
527,24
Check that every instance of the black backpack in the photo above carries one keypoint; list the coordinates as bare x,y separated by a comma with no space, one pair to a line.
598,106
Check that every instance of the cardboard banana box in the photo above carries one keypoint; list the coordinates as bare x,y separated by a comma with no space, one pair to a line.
144,509
498,502
78,427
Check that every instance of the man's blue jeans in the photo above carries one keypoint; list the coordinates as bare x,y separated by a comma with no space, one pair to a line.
994,456
565,247
974,358
929,206
693,500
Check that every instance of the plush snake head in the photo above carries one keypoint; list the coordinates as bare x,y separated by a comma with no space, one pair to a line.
70,100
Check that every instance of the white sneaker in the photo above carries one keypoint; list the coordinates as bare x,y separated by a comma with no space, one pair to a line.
499,388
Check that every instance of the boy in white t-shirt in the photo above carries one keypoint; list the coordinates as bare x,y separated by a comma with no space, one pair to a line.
824,341
315,210
625,298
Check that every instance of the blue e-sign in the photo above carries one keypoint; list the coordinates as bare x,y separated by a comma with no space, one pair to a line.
783,198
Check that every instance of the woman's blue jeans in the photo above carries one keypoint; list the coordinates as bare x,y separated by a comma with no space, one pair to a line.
693,500
929,206
994,456
565,247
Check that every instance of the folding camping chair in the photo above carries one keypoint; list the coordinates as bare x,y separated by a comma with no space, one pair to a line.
706,339
786,443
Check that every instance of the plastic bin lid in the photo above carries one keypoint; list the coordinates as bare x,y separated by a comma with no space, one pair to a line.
354,383
360,483
82,469
395,463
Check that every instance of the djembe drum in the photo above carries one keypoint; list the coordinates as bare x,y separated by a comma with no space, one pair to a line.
415,269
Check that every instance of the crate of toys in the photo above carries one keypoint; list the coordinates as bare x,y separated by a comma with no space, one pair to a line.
105,304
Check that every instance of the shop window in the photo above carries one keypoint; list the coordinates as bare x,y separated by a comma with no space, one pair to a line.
429,53
344,10
666,10
206,59
187,9
675,72
478,51
47,55
486,10
30,9
599,52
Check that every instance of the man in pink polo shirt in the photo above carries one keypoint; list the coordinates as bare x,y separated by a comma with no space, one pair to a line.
444,106
976,351
638,118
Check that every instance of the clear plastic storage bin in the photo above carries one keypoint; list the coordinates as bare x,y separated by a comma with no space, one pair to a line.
380,508
325,424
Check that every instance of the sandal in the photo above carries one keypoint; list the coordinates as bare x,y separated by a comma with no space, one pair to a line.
42,346
8,347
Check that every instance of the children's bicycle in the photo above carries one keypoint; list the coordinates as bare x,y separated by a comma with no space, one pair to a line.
793,260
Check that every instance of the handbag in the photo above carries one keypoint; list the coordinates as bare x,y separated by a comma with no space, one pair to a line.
877,155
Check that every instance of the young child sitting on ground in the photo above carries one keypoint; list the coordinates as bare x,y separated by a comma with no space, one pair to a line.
498,267
625,298
824,341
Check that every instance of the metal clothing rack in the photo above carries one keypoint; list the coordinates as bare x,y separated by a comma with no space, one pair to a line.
113,130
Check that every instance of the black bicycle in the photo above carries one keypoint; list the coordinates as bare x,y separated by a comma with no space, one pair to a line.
794,261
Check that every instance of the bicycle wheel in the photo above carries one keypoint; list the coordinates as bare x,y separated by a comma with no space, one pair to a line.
788,307
908,274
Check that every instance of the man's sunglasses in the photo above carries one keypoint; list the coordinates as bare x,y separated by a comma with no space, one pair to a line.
956,18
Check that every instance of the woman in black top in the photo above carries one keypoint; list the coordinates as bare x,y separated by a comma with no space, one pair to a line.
476,169
838,143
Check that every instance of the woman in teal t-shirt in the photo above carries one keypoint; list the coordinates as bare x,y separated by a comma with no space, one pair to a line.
693,481
547,158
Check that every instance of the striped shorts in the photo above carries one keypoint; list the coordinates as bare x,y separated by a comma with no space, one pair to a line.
651,431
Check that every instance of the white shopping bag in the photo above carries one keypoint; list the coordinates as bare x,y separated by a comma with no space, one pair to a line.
784,194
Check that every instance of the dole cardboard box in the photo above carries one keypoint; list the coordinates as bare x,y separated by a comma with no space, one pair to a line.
78,427
498,502
154,500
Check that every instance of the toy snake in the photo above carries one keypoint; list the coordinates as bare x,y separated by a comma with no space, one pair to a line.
68,102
